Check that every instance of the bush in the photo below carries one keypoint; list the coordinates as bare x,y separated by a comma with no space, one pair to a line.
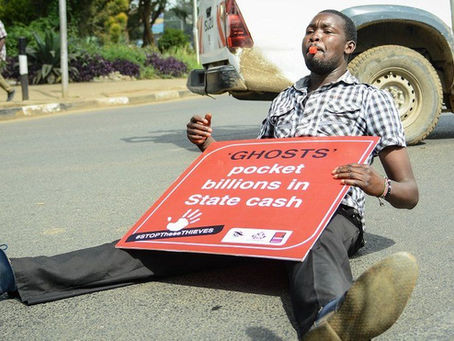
90,67
88,59
166,66
186,55
47,54
89,45
38,27
115,26
148,72
172,38
122,51
111,51
115,32
126,68
11,70
12,40
16,11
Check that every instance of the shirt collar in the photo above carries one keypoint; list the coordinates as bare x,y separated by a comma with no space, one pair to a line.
347,78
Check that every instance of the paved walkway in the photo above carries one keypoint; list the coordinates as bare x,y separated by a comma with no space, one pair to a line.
47,99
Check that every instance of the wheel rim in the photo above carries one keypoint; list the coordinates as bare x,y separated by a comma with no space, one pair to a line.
405,90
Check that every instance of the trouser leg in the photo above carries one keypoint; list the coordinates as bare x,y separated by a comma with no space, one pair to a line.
325,273
43,279
4,84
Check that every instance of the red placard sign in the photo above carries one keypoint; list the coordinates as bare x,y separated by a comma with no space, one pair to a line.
262,198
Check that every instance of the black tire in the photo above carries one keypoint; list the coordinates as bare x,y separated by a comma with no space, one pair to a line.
412,82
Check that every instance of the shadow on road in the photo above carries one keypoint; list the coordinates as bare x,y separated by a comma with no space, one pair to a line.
178,137
261,333
262,277
374,243
444,128
256,276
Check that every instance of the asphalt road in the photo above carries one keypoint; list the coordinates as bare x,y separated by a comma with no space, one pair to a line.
78,180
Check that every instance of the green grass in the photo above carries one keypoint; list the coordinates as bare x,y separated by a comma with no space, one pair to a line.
186,55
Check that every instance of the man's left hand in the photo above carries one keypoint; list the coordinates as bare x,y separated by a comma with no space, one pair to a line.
362,176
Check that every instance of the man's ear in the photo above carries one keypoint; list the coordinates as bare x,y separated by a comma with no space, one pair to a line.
350,46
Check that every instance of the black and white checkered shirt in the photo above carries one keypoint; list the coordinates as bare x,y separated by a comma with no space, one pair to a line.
342,108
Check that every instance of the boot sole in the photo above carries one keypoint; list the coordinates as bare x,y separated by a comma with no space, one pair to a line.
373,303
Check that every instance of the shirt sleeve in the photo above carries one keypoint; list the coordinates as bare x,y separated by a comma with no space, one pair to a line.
382,119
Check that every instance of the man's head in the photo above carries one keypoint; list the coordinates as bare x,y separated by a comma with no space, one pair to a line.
334,35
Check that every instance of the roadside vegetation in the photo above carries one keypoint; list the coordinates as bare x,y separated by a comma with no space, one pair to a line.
105,41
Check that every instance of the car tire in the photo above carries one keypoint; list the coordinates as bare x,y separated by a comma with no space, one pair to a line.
412,82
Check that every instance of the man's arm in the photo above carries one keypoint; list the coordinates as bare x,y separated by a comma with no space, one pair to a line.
404,190
396,163
2,42
198,131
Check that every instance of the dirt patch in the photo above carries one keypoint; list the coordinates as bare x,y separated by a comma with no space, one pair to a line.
260,74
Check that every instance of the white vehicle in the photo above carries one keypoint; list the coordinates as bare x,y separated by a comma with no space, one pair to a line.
252,50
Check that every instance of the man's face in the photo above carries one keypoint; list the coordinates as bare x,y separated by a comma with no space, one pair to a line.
326,32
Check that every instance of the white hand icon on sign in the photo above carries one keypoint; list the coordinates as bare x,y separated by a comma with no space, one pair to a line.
188,218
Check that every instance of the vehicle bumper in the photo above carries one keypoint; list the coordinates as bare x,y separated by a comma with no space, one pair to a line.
215,80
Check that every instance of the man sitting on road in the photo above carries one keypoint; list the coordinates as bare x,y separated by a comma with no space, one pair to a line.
331,102
326,305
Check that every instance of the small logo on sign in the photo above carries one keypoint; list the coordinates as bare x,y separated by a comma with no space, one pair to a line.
237,234
243,235
278,237
190,217
259,236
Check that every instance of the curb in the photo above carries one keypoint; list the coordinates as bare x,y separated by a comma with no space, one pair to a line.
59,107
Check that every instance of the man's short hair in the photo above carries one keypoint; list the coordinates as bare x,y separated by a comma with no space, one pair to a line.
349,26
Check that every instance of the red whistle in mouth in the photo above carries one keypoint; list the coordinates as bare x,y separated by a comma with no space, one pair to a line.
313,49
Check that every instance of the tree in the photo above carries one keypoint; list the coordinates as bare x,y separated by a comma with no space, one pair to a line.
24,11
105,19
117,21
183,10
149,11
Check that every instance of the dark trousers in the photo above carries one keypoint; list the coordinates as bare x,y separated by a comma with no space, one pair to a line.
324,275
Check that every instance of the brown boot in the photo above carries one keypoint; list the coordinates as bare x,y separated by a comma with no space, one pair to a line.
373,303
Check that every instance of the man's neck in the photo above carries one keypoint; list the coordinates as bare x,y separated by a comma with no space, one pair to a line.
318,81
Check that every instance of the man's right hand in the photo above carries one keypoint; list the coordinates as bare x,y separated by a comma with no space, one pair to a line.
199,131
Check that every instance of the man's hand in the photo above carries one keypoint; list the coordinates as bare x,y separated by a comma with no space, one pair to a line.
396,163
199,131
362,176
